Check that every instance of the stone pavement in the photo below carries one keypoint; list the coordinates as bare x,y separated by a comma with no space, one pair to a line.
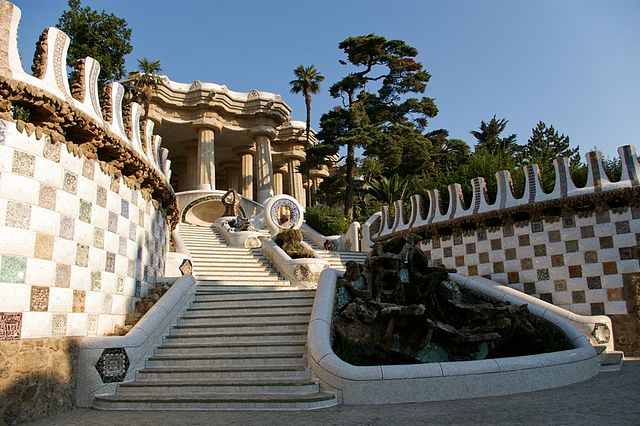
609,398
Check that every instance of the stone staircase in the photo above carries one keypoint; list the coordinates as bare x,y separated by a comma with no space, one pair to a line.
239,345
337,259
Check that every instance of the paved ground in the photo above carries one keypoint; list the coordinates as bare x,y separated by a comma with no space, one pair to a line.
607,399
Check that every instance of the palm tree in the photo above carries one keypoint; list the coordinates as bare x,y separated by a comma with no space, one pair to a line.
146,81
388,190
307,82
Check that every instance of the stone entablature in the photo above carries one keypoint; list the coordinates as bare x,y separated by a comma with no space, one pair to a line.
96,127
578,248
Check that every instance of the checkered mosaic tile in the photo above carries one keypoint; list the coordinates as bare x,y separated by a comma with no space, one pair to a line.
578,263
77,248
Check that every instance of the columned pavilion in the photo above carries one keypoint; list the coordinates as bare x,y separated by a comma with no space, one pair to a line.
220,139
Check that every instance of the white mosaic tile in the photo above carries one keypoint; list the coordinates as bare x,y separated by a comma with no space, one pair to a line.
40,272
19,188
45,221
93,302
68,204
16,241
83,233
616,308
80,278
6,159
111,241
60,299
78,324
14,297
36,324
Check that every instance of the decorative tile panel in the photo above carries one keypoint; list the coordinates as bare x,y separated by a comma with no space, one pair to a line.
88,168
63,275
82,255
18,215
110,264
113,364
23,164
59,325
101,197
79,297
98,238
51,151
96,281
47,197
124,208
39,299
85,211
44,246
67,227
10,325
113,223
12,269
70,182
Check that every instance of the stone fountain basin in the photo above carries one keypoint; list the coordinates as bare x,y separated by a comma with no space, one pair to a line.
387,384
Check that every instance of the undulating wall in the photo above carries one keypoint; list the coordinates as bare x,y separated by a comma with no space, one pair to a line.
85,211
577,248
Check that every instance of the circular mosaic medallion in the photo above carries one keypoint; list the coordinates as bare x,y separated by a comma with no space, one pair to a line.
284,213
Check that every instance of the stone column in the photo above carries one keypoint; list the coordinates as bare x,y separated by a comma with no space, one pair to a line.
295,182
264,164
245,180
191,148
277,182
206,158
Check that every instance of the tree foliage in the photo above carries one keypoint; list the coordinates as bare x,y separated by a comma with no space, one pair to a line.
102,36
489,138
145,82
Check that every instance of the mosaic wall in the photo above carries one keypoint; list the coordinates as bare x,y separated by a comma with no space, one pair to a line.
77,248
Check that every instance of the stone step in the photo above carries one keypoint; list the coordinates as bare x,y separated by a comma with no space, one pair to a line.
239,273
203,293
226,360
278,346
223,260
220,337
231,268
249,282
250,303
261,372
280,285
224,312
238,327
611,361
215,402
200,387
221,320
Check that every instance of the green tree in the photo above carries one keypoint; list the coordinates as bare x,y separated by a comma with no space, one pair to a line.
489,139
104,37
379,114
146,81
447,154
543,146
307,82
387,190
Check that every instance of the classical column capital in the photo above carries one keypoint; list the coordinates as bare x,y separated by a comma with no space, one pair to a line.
207,124
244,149
266,131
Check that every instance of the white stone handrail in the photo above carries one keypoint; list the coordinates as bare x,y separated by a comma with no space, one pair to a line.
564,187
137,343
303,272
446,380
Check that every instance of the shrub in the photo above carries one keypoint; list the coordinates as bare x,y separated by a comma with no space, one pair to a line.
326,220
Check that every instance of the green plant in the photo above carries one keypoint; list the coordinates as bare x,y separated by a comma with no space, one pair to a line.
326,220
20,113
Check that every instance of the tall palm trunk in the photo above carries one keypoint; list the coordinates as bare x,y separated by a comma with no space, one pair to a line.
307,102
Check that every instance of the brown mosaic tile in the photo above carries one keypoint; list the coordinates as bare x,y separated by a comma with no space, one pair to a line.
507,230
447,252
131,267
542,274
571,246
540,250
483,257
124,209
23,164
586,231
597,309
513,277
85,211
70,182
524,240
554,236
526,263
590,256
628,253
110,264
47,197
457,238
119,285
63,275
39,299
98,238
10,325
44,246
481,235
459,261
578,296
510,254
88,168
547,297
470,248
435,242
79,298
537,226
560,285
557,260
603,217
529,288
606,242
472,270
498,267
575,271
59,325
82,255
568,222
594,283
51,151
609,268
101,197
622,227
496,244
96,281
18,215
614,294
67,227
112,225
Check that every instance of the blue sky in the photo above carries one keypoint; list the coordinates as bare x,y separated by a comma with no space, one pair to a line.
574,64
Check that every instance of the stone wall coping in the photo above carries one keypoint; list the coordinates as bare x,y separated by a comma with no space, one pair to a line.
287,266
138,343
533,197
441,381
